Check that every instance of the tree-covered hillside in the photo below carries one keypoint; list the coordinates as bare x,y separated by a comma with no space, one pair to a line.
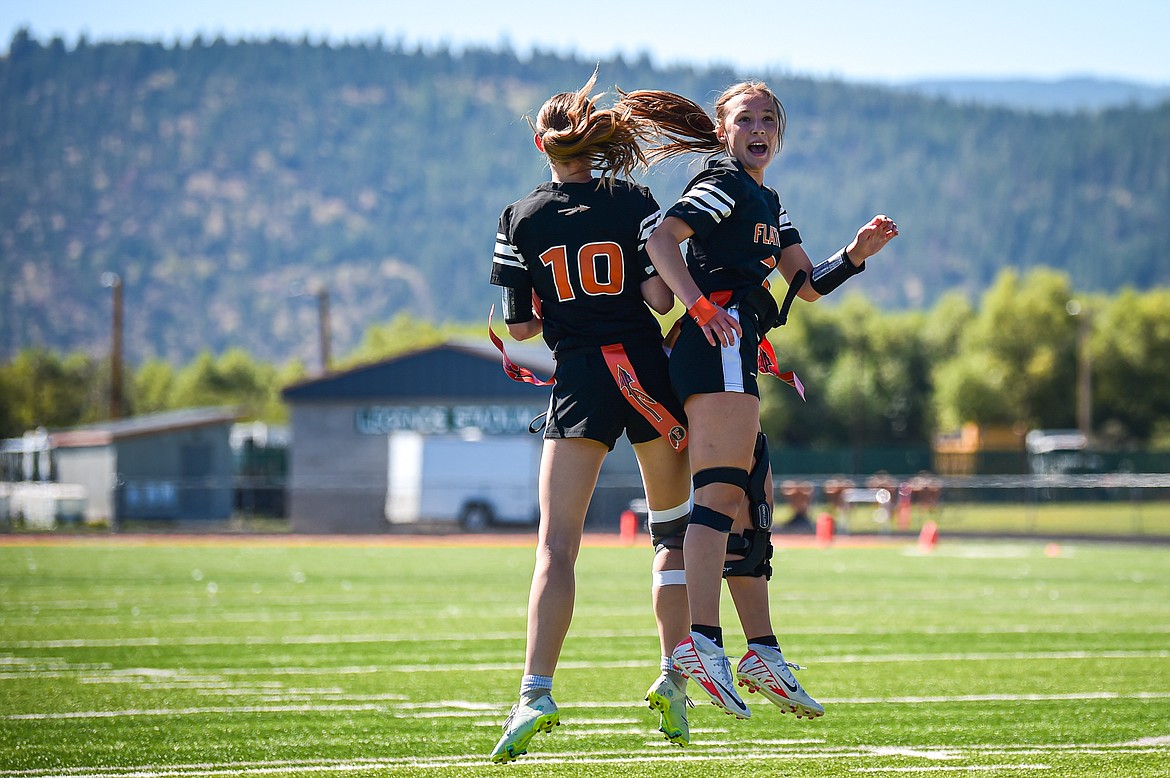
217,179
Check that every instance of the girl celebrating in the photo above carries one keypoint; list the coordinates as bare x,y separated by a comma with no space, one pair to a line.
737,232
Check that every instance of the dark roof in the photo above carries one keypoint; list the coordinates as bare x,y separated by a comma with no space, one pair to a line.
103,433
458,371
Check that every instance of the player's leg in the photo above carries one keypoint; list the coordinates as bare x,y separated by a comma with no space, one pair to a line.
722,433
666,476
568,474
763,668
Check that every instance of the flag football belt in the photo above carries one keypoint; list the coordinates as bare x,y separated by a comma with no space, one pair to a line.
622,371
514,371
659,417
768,316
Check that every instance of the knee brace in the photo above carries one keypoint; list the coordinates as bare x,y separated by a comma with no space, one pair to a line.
668,526
708,517
757,486
755,546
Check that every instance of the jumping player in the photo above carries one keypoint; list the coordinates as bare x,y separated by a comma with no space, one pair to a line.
576,244
737,233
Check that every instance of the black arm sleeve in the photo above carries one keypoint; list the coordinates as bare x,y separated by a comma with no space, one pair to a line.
833,272
517,304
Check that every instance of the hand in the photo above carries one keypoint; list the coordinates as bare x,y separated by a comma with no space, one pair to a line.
722,329
872,238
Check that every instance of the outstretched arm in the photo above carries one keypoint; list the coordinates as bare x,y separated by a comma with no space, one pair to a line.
828,275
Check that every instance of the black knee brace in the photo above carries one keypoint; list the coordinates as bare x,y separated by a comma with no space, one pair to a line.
757,486
755,546
667,534
708,517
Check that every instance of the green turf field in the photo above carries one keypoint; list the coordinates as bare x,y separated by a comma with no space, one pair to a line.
272,657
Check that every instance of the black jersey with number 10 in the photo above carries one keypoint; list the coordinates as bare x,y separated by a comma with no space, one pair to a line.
582,248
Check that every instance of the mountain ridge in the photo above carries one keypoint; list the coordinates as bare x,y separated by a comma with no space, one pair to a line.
216,178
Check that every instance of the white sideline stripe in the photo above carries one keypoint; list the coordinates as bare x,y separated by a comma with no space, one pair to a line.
111,714
457,708
981,768
1164,740
811,662
34,670
657,753
998,698
655,750
294,640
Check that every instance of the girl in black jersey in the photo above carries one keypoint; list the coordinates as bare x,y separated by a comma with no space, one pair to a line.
576,245
737,232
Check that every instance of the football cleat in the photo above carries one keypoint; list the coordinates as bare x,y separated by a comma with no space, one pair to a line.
671,702
705,663
764,670
524,721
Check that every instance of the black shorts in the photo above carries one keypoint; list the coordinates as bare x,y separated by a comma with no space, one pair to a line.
697,367
586,401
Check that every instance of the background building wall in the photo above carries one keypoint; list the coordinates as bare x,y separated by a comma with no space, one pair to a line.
337,476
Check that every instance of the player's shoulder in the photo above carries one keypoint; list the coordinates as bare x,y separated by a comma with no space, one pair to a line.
624,189
723,172
539,199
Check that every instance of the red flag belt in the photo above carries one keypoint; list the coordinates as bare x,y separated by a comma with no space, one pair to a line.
659,417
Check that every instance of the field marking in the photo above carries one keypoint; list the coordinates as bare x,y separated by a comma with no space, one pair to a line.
940,758
326,639
466,709
256,617
982,768
23,669
1148,628
1164,740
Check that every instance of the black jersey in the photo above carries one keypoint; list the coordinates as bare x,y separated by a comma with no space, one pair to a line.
740,227
582,248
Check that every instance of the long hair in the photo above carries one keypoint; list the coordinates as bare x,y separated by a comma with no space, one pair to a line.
681,126
571,126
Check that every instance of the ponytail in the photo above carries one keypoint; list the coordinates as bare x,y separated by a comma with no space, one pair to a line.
571,127
682,126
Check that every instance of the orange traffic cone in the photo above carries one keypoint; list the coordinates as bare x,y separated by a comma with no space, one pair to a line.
825,529
629,527
928,537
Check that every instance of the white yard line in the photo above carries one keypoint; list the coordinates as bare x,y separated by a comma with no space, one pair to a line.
469,709
53,667
941,758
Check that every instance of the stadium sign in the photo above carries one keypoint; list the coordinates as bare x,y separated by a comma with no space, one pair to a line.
442,419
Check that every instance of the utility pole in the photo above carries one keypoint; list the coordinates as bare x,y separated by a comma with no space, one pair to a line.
1084,402
113,282
324,333
323,329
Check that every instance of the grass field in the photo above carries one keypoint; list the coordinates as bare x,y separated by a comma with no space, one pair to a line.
141,657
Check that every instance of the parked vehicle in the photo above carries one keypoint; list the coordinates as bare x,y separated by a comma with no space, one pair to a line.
475,481
1060,452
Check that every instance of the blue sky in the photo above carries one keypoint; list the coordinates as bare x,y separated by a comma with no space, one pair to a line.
892,41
